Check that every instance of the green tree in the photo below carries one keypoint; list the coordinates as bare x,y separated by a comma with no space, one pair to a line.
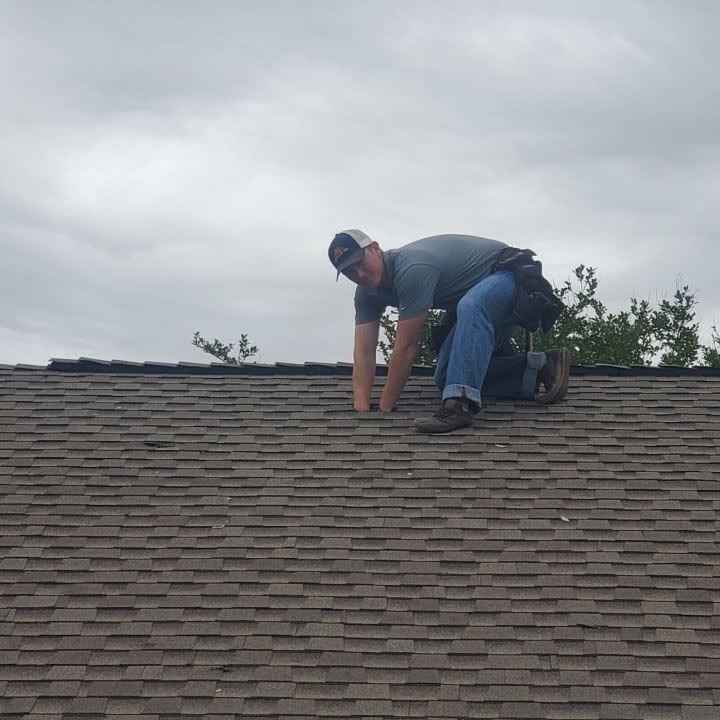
629,337
711,353
223,352
592,333
676,331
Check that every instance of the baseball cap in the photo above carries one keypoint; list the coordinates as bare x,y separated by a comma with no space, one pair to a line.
347,248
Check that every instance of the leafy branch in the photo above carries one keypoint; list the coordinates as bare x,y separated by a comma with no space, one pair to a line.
223,352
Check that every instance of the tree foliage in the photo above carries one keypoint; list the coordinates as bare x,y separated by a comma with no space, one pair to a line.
639,335
711,353
223,352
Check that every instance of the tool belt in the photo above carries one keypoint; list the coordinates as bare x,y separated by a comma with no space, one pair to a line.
535,302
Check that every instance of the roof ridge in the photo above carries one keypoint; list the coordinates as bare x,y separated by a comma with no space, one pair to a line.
94,365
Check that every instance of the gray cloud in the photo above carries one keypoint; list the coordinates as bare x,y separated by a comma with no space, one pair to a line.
176,166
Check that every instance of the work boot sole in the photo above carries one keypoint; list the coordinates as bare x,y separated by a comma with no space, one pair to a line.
561,358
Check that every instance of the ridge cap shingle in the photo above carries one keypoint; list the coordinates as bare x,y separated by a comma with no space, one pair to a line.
84,364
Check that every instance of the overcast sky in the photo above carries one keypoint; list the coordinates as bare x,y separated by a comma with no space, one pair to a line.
167,167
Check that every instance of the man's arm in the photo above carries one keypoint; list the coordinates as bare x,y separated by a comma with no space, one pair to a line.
407,340
364,353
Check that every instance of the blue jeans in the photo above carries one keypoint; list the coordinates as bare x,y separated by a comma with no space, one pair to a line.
465,365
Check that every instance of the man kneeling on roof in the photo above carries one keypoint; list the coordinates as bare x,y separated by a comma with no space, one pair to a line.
487,290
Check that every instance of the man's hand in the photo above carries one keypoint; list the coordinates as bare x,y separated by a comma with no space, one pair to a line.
372,407
379,408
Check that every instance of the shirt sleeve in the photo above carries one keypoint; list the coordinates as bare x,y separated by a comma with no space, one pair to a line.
416,290
368,308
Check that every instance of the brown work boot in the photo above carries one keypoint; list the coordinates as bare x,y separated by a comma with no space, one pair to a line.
453,413
554,375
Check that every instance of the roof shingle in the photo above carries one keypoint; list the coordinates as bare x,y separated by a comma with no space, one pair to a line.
181,540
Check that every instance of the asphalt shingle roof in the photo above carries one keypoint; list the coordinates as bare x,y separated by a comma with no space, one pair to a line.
189,540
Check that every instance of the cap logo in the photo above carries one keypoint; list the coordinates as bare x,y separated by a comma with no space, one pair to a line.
338,250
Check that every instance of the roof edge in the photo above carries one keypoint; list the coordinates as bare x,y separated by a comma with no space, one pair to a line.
93,365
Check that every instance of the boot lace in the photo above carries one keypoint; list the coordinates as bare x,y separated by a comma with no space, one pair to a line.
445,413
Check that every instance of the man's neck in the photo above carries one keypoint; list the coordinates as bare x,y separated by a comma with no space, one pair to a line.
386,281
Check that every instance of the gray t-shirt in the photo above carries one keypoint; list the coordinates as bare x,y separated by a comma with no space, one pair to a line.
434,272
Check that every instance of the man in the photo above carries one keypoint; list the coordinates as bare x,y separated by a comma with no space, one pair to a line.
460,273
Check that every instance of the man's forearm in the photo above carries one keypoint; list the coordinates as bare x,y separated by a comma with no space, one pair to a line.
401,364
363,378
